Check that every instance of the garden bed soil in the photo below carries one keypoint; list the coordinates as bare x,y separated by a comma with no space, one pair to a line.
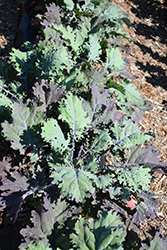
148,60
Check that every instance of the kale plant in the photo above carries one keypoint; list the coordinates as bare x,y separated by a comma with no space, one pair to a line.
76,173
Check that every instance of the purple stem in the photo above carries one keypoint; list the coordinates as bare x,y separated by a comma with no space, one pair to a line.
115,145
123,139
127,164
8,92
127,171
116,72
111,63
124,104
74,138
81,148
133,152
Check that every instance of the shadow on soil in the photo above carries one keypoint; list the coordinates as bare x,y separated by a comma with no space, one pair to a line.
158,12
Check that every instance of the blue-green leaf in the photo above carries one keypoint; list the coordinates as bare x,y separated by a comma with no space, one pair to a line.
69,4
104,233
52,133
72,112
114,59
100,142
93,47
22,131
74,184
137,177
39,246
128,135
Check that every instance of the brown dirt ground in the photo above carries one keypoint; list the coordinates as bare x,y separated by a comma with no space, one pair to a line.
148,53
148,59
9,19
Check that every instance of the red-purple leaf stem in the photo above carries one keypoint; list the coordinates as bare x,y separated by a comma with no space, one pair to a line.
114,145
116,72
111,63
127,165
81,148
8,92
74,137
124,104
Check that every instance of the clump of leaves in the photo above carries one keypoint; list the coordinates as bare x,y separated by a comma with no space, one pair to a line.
75,40
74,134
